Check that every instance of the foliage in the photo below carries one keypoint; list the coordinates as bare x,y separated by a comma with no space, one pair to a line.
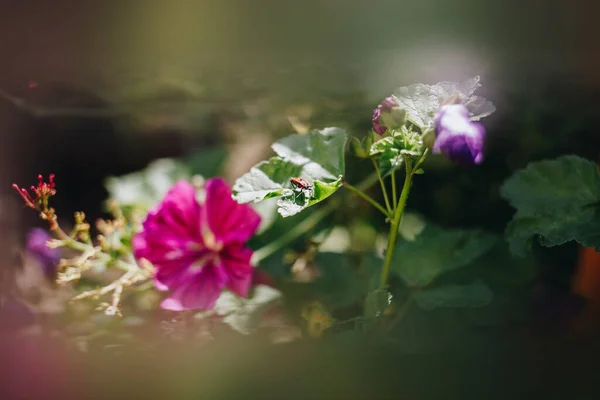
317,156
302,284
418,266
557,201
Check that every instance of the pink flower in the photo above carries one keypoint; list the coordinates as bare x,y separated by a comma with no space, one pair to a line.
198,249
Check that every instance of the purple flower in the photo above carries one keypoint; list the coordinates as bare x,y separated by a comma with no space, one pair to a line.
36,245
198,249
457,136
377,126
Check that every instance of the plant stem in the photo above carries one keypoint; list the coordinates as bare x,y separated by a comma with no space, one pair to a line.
85,248
305,226
394,197
389,254
385,195
369,199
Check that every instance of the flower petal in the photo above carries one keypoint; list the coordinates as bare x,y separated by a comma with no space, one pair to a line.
198,291
178,212
228,220
375,120
170,273
457,136
235,260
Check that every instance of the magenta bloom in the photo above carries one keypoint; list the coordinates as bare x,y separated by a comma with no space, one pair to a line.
377,126
198,249
459,138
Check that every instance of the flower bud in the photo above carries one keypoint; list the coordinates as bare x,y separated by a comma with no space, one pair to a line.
356,148
459,138
377,126
388,115
392,115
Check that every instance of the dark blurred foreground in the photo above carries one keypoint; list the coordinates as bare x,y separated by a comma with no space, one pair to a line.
252,369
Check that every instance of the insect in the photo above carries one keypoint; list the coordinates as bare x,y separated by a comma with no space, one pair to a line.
302,186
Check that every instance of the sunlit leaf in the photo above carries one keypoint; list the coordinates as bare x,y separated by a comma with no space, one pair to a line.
265,180
291,205
422,101
317,156
390,151
319,152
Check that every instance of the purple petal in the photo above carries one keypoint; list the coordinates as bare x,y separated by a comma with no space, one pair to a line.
235,260
228,220
377,127
199,291
36,245
453,118
458,137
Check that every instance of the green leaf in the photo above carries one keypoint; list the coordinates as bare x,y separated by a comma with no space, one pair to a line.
436,251
265,180
556,201
288,205
147,187
392,150
319,152
422,101
498,268
454,296
376,303
317,156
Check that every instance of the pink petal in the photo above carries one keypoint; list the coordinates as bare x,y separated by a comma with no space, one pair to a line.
178,212
169,274
198,291
235,260
228,220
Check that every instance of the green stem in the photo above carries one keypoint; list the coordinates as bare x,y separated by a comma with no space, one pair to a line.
394,197
82,247
305,226
368,198
389,254
382,183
